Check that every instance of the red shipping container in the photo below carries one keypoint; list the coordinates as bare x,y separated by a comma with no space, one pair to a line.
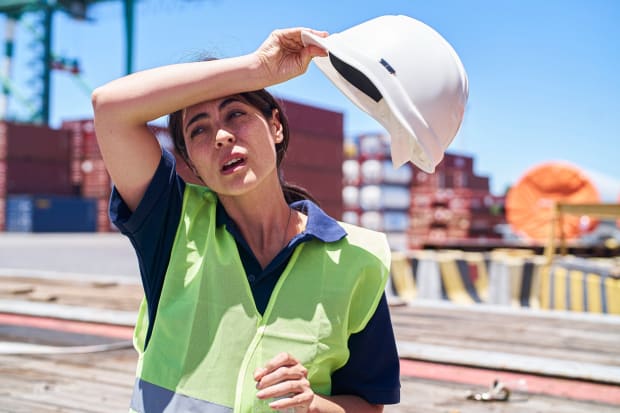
454,161
83,139
454,178
76,172
480,183
423,180
315,151
103,220
2,179
3,140
96,182
420,219
374,146
38,177
324,185
314,120
76,132
22,141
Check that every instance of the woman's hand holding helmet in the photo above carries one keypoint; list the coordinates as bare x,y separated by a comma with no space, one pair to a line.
284,56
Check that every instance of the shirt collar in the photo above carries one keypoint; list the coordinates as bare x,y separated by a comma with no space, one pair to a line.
320,225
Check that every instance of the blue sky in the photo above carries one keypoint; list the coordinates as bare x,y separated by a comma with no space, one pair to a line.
543,75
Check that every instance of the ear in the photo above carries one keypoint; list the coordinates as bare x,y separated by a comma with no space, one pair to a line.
276,126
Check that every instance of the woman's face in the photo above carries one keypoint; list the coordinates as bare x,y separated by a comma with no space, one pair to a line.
231,144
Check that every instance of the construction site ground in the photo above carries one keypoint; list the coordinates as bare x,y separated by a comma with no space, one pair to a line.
65,341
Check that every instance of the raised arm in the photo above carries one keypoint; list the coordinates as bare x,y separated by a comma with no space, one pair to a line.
124,106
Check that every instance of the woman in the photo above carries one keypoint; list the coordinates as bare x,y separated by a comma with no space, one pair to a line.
251,304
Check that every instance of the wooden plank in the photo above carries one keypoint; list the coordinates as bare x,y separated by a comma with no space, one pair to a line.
564,345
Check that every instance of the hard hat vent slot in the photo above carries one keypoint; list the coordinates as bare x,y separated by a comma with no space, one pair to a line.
356,78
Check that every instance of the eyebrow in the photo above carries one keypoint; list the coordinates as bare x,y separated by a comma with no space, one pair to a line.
203,115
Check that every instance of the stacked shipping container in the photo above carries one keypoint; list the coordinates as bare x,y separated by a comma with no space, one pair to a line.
376,195
88,174
34,160
415,208
38,160
314,157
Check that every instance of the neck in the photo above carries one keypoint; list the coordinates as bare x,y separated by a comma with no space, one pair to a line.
266,224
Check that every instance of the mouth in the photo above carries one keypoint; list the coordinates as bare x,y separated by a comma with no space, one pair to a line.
233,163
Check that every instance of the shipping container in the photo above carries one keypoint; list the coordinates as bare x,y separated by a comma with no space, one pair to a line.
384,197
37,213
96,182
350,150
83,139
398,176
374,146
351,217
314,151
350,197
455,161
2,178
103,223
314,120
398,241
27,176
372,220
30,142
395,221
350,172
324,185
371,173
375,171
480,183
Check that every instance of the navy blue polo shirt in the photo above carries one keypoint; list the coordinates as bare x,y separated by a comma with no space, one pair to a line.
372,371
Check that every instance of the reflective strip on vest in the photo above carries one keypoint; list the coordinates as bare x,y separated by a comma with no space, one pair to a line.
150,398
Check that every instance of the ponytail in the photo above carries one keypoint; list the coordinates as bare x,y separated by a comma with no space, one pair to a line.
294,193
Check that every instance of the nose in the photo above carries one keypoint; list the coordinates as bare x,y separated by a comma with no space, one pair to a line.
223,137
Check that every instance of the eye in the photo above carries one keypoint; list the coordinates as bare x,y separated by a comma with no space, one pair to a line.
234,114
196,131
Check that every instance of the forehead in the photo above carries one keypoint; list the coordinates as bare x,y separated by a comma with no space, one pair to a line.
214,105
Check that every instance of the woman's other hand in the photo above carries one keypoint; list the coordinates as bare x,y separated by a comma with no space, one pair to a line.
284,379
284,56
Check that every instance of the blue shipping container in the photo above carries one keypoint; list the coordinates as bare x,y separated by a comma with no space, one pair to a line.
40,213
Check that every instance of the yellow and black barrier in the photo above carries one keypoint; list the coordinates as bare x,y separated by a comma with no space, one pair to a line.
577,284
506,278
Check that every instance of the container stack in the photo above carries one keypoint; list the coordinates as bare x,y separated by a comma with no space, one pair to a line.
376,195
36,191
89,176
413,207
453,204
39,163
314,157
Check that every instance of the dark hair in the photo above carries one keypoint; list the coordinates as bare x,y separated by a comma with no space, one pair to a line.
265,103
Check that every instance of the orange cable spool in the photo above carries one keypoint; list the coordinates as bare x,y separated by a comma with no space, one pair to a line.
529,204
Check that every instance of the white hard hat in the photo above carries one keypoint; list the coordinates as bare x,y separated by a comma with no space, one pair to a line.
406,76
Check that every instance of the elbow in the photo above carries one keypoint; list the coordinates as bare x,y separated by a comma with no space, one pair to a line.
107,107
97,99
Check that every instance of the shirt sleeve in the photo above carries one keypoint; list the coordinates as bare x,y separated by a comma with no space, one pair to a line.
151,228
373,369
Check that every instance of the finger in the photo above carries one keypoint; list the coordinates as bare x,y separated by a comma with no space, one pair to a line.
282,374
299,401
316,51
284,389
320,33
282,359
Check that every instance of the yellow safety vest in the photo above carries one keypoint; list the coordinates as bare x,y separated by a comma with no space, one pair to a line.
208,336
